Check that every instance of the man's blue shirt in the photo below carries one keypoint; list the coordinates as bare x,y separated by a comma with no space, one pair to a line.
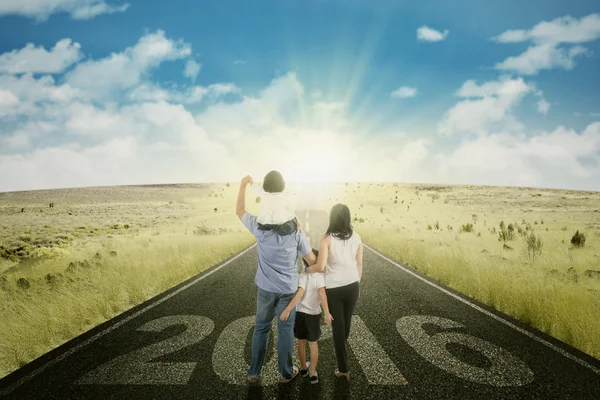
277,257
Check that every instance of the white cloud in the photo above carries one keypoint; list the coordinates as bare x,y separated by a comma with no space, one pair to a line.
156,140
543,56
404,92
543,106
555,44
594,114
428,34
15,141
560,30
554,160
486,106
192,69
101,78
39,60
239,62
194,94
8,103
24,95
42,9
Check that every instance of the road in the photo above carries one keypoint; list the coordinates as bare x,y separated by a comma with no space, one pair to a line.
411,338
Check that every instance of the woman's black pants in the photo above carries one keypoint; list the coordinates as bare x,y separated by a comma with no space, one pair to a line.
342,302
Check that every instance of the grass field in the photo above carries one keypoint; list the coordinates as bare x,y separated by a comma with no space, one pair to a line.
100,251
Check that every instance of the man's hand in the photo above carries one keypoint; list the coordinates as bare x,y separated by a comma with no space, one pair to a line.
285,314
247,180
328,318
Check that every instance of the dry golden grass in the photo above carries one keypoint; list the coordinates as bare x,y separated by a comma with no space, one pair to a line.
174,233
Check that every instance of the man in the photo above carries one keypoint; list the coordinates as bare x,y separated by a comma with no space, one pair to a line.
276,278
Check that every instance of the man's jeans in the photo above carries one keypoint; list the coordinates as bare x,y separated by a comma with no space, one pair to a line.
268,306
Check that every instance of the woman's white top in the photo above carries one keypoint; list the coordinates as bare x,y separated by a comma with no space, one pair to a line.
341,262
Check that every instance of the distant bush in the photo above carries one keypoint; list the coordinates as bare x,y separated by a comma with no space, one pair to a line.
437,225
381,209
258,199
227,184
533,245
564,228
126,226
449,228
578,239
467,228
474,216
506,233
429,227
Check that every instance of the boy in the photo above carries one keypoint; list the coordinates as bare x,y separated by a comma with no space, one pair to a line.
307,327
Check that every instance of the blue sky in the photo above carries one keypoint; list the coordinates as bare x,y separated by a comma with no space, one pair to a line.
499,93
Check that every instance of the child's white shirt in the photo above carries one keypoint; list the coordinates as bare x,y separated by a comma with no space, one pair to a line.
275,208
311,283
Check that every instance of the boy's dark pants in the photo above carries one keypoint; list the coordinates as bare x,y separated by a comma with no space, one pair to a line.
342,302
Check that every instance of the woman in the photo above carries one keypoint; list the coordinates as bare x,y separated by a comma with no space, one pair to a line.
342,250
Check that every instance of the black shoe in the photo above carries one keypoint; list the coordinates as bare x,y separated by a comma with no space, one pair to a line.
304,372
313,379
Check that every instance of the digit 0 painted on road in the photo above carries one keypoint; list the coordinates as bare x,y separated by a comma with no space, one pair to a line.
136,368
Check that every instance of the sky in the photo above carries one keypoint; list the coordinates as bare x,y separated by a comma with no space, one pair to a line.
113,92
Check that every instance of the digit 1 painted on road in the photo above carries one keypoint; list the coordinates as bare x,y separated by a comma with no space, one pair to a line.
506,369
375,363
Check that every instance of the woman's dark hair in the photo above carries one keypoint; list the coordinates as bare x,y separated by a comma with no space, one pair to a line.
273,182
339,222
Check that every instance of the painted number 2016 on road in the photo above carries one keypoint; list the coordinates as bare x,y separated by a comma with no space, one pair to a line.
229,363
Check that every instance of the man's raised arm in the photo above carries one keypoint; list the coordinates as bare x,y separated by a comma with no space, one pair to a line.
240,208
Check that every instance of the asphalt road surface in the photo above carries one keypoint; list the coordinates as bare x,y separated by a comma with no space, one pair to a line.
411,338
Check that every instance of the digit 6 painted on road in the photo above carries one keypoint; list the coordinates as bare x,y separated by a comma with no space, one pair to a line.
506,369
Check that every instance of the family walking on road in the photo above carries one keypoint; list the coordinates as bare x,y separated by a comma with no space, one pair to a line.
330,280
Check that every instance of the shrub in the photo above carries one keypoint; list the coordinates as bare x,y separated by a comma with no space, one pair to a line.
533,245
428,227
258,199
24,237
126,226
578,239
381,209
474,216
227,184
507,233
204,230
466,228
564,228
437,225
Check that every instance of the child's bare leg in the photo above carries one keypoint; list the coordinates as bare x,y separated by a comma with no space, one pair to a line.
314,356
302,353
